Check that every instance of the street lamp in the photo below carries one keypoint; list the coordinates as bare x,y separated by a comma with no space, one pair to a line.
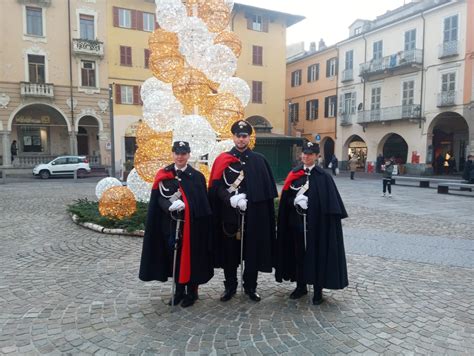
289,117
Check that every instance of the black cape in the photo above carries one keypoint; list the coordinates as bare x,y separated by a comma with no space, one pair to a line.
259,230
157,261
325,259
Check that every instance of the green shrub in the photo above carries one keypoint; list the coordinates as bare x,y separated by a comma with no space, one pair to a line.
88,211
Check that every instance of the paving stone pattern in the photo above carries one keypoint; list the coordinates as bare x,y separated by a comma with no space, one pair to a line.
68,290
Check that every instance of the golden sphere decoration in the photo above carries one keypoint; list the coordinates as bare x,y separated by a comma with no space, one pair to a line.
144,133
253,140
153,155
118,203
222,111
214,13
204,169
191,87
162,41
231,40
167,66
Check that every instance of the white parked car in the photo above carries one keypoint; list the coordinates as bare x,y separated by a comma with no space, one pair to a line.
63,165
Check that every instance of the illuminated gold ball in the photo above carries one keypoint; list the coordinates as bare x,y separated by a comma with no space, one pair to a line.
118,203
231,40
191,87
214,13
145,133
167,66
204,169
253,140
153,155
163,41
222,111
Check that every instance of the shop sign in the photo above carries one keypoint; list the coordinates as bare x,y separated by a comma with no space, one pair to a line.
43,120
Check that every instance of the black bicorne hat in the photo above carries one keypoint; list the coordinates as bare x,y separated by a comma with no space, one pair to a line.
181,147
241,127
310,147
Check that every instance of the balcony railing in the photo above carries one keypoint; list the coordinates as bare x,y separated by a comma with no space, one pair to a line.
388,64
345,119
37,90
446,98
389,114
347,75
448,49
91,47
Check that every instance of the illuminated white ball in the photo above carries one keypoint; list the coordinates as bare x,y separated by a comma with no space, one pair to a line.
160,111
222,146
105,184
170,14
197,131
221,63
139,188
238,87
153,86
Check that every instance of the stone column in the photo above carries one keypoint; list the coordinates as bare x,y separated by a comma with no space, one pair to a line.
7,159
73,142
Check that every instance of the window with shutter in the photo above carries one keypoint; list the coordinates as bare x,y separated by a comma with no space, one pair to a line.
88,74
136,95
312,107
313,73
257,55
127,94
147,57
118,94
296,78
294,112
256,92
124,18
86,24
147,22
125,56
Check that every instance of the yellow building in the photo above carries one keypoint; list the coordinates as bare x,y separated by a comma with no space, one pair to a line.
262,65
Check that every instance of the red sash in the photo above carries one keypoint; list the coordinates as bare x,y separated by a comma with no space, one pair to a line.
292,176
220,164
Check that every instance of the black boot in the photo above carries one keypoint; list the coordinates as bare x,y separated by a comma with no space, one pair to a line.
191,296
318,296
299,291
178,295
253,295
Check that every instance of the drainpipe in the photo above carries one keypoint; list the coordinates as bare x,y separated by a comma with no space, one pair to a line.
422,68
337,94
363,80
73,133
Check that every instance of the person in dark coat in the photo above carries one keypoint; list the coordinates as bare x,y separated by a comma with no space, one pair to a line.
13,150
179,191
468,173
379,163
334,164
241,185
321,259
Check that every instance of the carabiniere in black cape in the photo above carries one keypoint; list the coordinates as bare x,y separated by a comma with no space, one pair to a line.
156,261
325,259
259,230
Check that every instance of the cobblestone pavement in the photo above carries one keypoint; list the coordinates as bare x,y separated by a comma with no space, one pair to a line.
67,290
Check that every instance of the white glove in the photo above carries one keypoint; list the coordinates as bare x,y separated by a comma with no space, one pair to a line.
242,204
301,201
176,205
235,199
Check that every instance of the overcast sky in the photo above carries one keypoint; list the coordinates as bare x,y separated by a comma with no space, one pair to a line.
327,19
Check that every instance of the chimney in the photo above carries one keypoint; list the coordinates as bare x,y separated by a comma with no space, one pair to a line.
312,46
322,45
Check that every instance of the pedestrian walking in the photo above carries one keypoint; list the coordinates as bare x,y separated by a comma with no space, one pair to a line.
379,162
387,170
334,165
241,193
177,234
13,150
353,165
310,246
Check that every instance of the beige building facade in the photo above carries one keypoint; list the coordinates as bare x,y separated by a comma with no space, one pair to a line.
401,87
53,81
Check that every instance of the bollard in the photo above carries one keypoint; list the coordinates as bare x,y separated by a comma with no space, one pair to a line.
4,176
75,175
